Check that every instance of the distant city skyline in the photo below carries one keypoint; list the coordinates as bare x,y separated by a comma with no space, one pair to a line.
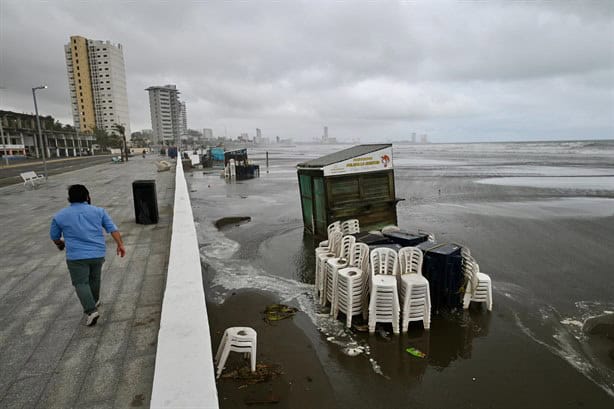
455,71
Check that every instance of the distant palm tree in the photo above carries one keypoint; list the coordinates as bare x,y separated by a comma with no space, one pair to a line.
122,131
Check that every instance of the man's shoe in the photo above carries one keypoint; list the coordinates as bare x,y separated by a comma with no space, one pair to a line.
97,303
92,318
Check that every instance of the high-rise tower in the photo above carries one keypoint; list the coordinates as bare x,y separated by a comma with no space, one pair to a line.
97,84
165,110
183,118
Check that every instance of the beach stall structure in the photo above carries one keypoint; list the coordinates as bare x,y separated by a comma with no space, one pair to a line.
212,156
354,183
217,154
237,165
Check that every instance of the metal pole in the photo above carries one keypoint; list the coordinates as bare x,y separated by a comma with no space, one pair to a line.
40,134
78,141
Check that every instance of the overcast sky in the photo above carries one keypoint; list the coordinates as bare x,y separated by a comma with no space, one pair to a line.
370,71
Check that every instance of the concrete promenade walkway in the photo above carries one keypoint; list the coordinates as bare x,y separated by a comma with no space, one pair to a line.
48,358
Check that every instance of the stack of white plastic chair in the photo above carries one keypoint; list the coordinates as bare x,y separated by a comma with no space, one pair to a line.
415,296
350,226
331,227
236,339
384,298
230,171
390,228
351,284
332,266
321,255
479,285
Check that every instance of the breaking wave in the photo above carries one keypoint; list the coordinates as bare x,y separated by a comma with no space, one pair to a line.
561,335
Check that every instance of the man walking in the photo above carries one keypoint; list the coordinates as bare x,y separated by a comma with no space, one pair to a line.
81,225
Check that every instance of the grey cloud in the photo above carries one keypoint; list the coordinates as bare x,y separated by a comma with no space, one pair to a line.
291,67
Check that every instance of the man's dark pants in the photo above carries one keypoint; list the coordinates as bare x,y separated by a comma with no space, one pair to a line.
85,276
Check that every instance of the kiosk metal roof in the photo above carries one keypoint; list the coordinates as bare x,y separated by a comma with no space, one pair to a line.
345,154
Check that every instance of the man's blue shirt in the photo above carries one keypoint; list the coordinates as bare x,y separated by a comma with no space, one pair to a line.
81,225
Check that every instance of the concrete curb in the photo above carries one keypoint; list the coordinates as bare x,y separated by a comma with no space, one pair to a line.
184,373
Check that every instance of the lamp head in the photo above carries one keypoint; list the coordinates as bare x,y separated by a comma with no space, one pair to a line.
40,87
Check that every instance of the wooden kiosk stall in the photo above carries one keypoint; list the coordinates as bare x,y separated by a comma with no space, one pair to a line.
355,183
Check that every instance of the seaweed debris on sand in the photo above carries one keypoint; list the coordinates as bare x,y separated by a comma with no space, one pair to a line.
277,312
263,373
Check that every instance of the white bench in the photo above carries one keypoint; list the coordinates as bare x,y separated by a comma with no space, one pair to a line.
31,178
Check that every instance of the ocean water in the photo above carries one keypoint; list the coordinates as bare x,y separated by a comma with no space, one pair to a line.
537,216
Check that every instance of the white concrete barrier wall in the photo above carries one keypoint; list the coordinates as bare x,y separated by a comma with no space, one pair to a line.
184,375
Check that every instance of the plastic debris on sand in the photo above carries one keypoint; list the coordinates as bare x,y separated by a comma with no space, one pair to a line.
415,352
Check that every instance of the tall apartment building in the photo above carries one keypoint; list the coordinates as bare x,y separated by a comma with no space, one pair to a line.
97,84
165,109
207,133
183,118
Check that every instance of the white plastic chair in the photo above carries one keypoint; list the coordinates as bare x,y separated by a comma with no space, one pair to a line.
350,226
384,298
332,265
335,226
237,339
479,285
414,291
321,254
349,297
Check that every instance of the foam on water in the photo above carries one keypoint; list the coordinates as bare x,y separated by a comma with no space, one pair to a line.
563,182
540,209
561,336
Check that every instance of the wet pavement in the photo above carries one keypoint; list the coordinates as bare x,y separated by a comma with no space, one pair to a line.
10,174
48,358
544,245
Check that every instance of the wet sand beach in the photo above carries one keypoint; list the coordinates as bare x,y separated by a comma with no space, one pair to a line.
538,218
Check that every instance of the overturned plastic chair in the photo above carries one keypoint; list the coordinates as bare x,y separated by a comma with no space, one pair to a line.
332,266
390,228
479,285
414,288
384,297
350,226
430,236
236,339
349,297
163,165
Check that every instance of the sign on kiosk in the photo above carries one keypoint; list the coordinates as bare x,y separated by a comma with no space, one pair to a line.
378,160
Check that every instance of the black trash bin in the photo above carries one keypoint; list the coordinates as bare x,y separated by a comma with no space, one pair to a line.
145,201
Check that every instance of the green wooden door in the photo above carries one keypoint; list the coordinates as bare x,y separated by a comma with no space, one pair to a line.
319,201
307,201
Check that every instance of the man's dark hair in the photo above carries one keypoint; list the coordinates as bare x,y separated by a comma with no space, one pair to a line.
78,194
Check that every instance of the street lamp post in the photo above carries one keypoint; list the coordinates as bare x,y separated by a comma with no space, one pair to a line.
38,123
